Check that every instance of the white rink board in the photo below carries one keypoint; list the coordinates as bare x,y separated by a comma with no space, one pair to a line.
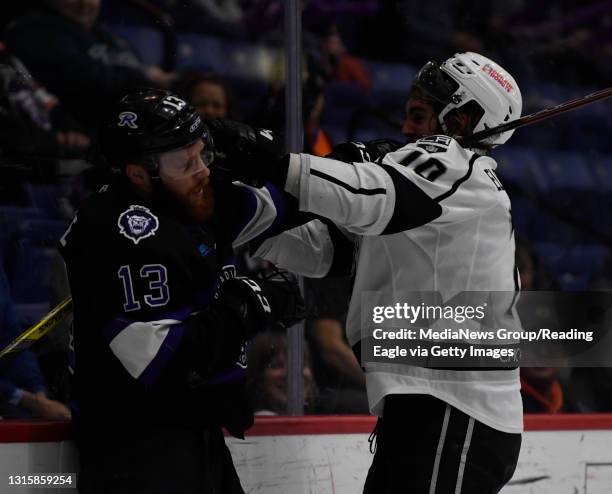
551,462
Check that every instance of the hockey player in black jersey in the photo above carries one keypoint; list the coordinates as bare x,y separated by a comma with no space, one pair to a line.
161,318
432,217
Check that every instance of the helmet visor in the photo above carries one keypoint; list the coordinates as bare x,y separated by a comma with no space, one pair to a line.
185,162
436,83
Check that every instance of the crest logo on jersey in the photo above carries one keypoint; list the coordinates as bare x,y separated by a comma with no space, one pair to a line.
435,143
127,119
437,139
137,222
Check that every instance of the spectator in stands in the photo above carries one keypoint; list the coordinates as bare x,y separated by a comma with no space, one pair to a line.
565,41
337,371
541,389
339,377
264,19
329,10
212,17
267,376
53,351
272,114
316,140
209,94
603,279
533,276
590,388
32,122
77,60
11,10
409,31
339,64
23,392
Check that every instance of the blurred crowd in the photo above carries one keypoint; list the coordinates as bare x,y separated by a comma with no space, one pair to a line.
63,61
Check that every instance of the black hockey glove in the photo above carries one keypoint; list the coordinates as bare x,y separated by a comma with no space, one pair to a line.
283,291
249,155
263,303
364,152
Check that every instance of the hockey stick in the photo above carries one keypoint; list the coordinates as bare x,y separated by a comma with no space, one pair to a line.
537,116
38,330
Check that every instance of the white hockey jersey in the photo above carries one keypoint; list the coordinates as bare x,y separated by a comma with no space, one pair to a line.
468,246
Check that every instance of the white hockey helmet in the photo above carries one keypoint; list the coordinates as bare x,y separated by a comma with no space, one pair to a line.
467,77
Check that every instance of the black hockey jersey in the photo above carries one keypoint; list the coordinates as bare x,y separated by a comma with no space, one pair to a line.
149,344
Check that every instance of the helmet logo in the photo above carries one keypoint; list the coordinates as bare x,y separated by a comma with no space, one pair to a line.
457,97
267,134
127,119
194,125
137,222
495,75
242,358
177,103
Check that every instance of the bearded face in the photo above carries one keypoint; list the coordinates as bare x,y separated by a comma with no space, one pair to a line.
185,182
195,201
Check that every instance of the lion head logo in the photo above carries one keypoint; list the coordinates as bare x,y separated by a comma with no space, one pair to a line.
137,222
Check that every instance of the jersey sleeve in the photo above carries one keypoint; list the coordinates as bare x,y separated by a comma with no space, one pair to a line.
315,249
363,198
461,182
249,214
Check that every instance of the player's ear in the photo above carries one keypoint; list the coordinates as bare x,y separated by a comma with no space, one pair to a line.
139,177
464,122
458,123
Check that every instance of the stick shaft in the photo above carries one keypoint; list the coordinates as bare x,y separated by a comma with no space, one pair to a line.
538,116
38,330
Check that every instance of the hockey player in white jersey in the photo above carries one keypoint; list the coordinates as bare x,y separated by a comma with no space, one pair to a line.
429,216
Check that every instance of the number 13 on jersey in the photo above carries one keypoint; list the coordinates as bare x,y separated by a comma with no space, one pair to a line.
156,276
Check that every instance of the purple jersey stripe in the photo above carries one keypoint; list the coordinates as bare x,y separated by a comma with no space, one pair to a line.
113,328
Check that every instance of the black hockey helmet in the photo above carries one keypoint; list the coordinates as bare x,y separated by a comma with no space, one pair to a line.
147,122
